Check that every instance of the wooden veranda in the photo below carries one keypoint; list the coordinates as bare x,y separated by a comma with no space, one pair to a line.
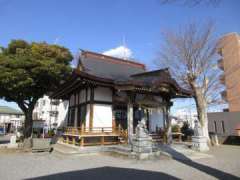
94,136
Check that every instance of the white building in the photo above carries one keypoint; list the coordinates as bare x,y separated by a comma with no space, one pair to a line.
53,112
10,119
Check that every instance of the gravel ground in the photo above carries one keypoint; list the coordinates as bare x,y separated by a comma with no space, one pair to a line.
224,164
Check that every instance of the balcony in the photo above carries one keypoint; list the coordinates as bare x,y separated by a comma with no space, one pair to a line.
220,64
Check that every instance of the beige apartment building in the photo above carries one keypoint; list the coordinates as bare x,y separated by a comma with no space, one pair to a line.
229,50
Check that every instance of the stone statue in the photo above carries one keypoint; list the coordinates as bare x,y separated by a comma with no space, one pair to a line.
142,142
197,129
141,129
199,142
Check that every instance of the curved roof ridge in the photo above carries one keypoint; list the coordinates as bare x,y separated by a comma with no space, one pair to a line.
152,72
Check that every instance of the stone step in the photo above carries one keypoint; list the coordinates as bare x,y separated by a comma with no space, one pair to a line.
155,135
156,138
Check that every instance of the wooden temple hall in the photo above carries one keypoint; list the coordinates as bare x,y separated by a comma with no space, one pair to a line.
108,96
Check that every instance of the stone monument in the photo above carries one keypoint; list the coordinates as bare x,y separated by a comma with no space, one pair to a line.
142,142
199,142
13,142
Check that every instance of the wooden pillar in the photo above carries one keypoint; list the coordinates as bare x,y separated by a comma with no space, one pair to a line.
131,100
85,118
147,123
113,123
164,117
102,140
130,121
168,123
68,115
73,140
75,116
82,130
67,139
113,113
91,108
82,141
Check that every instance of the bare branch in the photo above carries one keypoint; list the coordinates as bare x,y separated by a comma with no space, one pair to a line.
191,57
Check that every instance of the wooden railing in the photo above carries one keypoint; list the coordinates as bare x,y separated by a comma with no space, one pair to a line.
83,137
92,131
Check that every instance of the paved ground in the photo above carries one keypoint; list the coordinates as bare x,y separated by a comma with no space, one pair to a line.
223,164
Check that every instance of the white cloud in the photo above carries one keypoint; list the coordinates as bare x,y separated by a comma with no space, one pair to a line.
119,52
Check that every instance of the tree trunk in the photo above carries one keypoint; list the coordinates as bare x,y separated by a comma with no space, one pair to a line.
28,111
28,123
169,131
169,126
201,104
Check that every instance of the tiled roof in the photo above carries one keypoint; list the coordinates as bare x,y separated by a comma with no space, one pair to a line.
154,79
9,110
119,73
109,67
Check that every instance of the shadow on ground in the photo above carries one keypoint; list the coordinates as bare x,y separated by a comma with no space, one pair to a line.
231,140
203,168
108,173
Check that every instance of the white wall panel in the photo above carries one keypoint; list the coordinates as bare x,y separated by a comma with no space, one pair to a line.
87,116
102,116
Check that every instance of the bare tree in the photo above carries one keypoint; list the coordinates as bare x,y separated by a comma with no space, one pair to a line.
191,57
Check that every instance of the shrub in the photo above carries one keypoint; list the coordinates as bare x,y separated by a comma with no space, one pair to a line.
51,133
176,128
186,130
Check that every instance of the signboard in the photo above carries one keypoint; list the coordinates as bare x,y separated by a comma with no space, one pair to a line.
38,124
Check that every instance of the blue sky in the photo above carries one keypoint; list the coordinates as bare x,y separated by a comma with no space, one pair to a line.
101,25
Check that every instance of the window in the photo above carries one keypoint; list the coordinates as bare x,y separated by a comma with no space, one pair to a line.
223,127
215,126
